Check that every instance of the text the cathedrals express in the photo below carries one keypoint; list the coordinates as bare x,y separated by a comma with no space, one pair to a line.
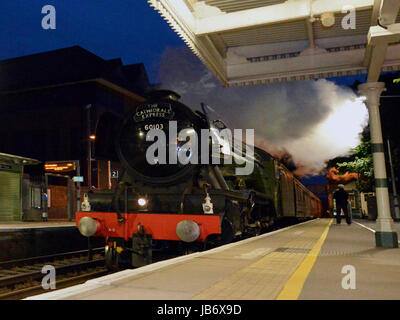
157,110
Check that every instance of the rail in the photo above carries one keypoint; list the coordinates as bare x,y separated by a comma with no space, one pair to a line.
22,278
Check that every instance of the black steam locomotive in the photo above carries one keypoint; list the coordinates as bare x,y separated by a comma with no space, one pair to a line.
170,195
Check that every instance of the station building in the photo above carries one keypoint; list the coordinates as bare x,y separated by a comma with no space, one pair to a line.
18,197
52,103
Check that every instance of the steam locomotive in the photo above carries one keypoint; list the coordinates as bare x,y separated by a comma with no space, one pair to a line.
185,206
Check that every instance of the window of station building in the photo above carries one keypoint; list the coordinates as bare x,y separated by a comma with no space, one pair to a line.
36,197
352,200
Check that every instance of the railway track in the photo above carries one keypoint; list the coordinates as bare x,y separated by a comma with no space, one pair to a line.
22,278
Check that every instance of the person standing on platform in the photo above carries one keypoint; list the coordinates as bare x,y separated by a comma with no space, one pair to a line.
45,214
341,197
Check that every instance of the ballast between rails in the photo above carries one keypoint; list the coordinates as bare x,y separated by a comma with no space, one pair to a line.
21,278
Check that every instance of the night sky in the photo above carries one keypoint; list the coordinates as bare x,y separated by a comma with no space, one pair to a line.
126,29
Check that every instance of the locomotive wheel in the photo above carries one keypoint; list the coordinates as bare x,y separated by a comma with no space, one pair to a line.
211,242
189,248
111,258
234,216
227,232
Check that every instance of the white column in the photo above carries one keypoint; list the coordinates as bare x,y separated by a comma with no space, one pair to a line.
385,235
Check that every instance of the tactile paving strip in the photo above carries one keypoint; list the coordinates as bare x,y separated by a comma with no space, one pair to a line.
265,278
293,250
344,253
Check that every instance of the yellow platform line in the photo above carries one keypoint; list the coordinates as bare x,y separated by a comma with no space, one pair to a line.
294,285
265,278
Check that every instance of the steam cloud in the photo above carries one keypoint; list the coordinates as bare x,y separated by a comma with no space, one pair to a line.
313,121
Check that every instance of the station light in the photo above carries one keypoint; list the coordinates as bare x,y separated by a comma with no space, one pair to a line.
328,19
142,202
92,137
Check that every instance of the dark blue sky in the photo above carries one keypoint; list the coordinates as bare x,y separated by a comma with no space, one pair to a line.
129,29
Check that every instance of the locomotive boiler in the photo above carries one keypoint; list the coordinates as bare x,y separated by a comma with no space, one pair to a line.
162,203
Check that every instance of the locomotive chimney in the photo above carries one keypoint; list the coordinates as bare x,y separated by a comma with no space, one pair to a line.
163,94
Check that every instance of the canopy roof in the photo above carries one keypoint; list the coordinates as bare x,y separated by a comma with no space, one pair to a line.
260,41
10,158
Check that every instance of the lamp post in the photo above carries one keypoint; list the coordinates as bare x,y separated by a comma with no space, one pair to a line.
78,187
89,147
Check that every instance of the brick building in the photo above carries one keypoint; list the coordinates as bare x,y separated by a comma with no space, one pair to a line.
50,103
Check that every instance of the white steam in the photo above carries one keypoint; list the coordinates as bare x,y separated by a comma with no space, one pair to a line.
333,137
313,121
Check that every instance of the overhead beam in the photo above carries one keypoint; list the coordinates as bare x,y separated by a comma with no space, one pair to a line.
322,65
310,33
378,55
282,12
375,12
388,12
190,4
320,6
254,17
374,21
298,68
378,40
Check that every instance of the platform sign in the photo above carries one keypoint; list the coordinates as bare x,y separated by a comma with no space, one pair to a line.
60,166
77,179
114,174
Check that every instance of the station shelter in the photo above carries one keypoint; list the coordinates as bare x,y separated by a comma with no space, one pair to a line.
267,41
11,187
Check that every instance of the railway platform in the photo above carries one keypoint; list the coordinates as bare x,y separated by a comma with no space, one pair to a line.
21,240
316,259
9,226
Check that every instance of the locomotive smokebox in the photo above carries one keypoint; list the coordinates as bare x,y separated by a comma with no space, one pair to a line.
162,112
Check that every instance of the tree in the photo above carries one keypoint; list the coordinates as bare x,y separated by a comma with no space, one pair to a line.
359,162
362,165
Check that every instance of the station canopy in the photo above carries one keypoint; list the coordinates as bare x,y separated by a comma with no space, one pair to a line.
245,42
10,158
